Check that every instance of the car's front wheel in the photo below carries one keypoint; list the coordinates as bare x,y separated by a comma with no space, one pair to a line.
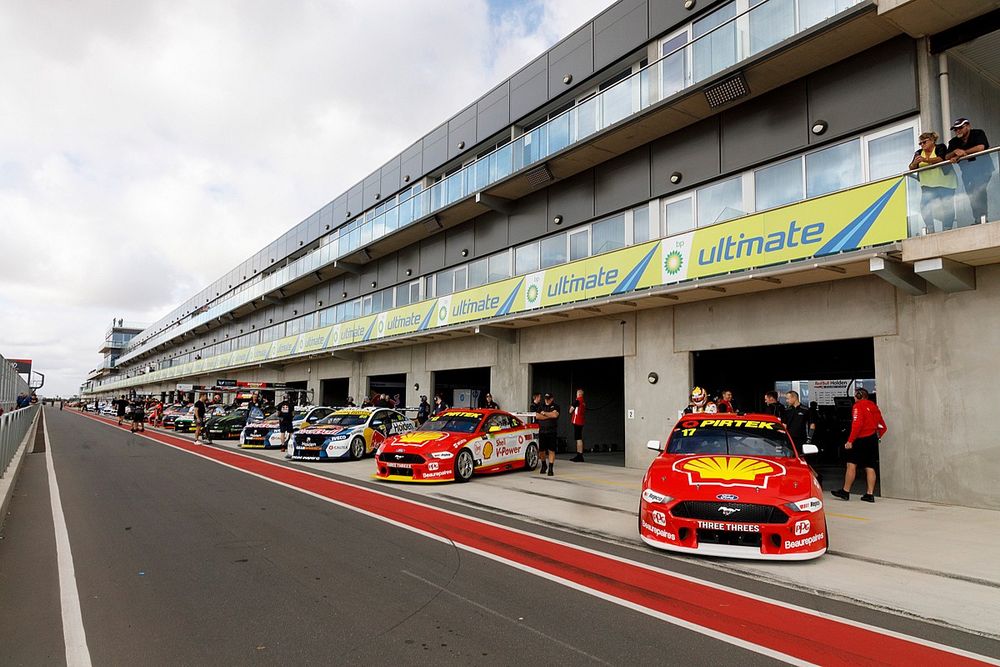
357,448
531,456
464,465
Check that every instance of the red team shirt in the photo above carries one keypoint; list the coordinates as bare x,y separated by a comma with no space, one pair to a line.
579,412
866,419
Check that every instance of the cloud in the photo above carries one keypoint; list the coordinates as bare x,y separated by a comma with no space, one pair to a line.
150,146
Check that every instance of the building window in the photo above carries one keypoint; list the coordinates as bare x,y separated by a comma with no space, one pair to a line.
720,201
402,295
833,168
608,235
889,154
526,259
772,21
552,251
716,48
579,245
478,273
641,231
779,184
679,215
499,266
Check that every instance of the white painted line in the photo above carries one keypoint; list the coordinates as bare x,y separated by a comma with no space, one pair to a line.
74,636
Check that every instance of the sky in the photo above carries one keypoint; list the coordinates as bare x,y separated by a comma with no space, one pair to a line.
147,147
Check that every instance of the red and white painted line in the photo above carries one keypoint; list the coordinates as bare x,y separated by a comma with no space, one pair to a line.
770,627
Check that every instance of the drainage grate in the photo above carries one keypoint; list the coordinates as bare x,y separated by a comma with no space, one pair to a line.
39,447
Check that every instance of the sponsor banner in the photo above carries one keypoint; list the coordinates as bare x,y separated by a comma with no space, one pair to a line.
825,392
353,331
225,383
240,357
480,303
198,366
407,319
312,341
613,273
21,366
864,216
259,352
283,346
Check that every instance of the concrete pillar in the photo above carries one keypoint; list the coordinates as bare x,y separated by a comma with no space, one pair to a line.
653,407
509,378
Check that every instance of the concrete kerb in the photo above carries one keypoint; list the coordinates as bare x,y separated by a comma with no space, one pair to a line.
9,479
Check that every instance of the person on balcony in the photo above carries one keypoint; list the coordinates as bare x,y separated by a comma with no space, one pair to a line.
937,186
976,172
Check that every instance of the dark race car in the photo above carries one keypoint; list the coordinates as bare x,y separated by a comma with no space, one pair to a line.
733,486
453,445
228,425
349,433
172,412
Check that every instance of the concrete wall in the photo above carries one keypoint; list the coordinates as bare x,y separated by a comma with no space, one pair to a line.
937,379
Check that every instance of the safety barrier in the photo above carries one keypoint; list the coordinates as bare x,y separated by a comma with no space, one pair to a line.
11,385
13,427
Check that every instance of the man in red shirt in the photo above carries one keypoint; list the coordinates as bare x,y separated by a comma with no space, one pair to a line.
578,412
861,448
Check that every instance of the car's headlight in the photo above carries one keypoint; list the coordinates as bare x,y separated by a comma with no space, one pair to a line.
442,455
651,496
807,505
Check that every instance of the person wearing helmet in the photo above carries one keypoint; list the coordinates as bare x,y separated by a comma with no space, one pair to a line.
699,402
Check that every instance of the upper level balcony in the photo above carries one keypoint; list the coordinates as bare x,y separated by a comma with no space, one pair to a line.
738,51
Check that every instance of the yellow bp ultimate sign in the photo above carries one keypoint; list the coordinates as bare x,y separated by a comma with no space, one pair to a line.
616,272
864,216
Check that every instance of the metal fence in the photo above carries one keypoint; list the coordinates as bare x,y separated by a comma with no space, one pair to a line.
13,426
11,384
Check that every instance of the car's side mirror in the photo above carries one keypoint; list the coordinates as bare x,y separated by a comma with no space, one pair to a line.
809,448
654,445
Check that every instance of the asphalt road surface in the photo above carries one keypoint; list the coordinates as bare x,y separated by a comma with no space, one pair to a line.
189,555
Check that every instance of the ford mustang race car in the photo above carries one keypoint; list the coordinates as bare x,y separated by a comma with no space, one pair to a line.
457,443
348,433
733,486
265,434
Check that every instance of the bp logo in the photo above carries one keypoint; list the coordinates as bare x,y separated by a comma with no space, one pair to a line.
336,335
381,325
443,313
532,294
673,262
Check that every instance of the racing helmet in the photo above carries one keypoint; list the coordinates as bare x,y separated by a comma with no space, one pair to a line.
699,396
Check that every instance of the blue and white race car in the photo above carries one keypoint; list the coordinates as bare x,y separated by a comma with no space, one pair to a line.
265,434
350,433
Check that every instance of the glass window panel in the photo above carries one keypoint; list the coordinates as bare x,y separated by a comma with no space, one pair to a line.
526,259
779,184
461,278
366,305
429,292
720,201
559,133
499,266
890,154
833,168
640,225
616,101
812,12
673,68
579,245
402,295
716,50
553,251
478,273
608,235
586,117
415,291
771,21
445,282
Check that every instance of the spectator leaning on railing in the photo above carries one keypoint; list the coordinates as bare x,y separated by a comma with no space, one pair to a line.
937,186
976,173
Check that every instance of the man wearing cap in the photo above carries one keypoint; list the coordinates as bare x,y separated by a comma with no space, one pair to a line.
976,172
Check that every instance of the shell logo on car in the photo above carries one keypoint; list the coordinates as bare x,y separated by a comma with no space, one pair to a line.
420,437
729,470
488,450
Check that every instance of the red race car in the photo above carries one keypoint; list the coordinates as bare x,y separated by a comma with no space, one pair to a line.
733,486
455,444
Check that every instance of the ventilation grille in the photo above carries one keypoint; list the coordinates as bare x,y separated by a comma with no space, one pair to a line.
726,91
538,176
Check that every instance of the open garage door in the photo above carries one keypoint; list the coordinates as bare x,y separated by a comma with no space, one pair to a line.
392,385
333,392
824,372
603,383
464,387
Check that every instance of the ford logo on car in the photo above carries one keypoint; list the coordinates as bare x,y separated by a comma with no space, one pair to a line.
727,496
726,511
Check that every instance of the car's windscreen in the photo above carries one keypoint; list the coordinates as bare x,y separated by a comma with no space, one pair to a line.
452,423
744,438
344,420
